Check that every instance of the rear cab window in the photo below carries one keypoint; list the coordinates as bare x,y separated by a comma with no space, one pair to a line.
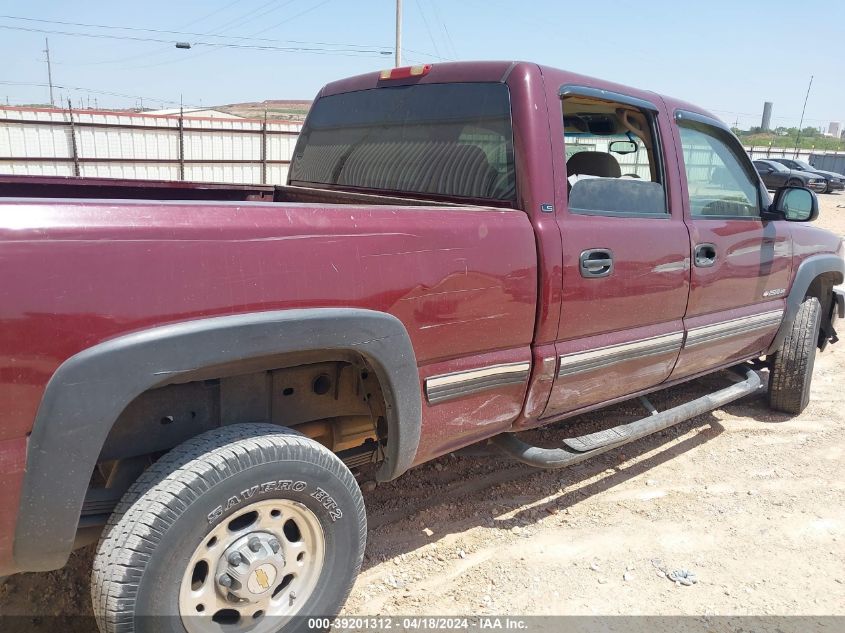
452,140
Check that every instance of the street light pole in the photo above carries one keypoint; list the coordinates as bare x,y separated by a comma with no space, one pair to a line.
398,33
49,70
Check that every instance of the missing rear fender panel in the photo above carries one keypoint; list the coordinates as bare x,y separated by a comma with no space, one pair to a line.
338,403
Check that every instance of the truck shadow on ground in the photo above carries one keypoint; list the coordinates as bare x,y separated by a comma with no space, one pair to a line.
470,478
537,485
448,495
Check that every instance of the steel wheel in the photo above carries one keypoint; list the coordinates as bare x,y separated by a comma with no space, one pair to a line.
247,527
254,570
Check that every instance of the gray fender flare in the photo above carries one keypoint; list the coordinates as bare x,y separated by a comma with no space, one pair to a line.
808,270
89,391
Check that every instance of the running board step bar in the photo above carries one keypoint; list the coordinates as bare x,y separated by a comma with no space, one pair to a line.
584,447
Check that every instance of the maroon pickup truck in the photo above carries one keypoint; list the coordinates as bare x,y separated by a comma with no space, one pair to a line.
199,375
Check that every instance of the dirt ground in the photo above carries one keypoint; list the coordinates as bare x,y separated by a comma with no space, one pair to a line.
749,501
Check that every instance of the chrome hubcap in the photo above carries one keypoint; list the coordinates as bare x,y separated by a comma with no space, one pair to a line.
249,567
254,570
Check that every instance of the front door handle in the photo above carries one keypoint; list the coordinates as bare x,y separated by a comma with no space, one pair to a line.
705,255
596,262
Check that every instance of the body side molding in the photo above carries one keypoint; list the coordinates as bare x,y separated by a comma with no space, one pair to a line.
808,270
89,390
464,383
734,327
589,360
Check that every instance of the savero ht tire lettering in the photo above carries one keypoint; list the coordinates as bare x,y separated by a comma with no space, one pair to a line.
249,527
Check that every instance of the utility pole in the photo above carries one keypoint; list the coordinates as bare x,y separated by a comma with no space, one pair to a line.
398,33
801,124
49,70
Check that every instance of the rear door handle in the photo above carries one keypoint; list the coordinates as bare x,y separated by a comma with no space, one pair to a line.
596,262
705,255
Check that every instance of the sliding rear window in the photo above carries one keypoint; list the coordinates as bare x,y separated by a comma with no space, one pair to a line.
451,140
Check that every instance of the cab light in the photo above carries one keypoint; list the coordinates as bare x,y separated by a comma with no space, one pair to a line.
405,72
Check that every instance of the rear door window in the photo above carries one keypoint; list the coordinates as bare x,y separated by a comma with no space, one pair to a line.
613,159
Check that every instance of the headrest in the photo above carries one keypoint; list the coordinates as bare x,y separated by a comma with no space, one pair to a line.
599,164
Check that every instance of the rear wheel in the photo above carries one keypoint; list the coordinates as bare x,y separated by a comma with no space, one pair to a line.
791,368
245,528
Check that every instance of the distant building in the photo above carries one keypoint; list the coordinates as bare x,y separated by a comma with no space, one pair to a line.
766,123
835,129
201,112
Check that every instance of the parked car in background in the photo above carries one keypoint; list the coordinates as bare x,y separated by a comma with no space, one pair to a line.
775,175
833,181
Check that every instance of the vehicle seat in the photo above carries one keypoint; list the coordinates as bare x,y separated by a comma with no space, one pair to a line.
600,164
448,168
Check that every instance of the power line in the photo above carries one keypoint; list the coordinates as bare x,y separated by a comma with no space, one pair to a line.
289,49
211,50
192,33
242,19
291,18
780,118
449,43
91,90
215,12
254,14
427,27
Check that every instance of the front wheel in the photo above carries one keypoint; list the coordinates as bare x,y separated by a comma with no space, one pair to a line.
249,527
791,368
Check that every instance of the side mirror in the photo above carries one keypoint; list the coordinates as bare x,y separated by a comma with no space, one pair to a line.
795,204
623,147
769,170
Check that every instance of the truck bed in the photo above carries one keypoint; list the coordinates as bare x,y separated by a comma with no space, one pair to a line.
14,186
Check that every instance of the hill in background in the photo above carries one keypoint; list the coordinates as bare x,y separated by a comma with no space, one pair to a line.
285,109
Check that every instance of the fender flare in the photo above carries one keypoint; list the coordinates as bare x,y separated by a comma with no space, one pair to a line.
808,270
88,392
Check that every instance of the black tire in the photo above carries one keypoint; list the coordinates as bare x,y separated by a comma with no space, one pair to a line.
791,368
148,541
794,182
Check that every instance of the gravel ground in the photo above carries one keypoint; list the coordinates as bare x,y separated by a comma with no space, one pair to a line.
749,501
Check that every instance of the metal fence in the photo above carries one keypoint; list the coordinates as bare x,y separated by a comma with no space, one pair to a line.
128,145
98,143
827,160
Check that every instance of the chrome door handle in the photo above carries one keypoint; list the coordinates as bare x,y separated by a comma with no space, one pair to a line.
596,262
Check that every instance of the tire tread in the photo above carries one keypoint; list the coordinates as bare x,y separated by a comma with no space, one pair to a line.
162,493
792,365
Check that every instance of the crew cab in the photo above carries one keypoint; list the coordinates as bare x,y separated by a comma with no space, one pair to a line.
200,375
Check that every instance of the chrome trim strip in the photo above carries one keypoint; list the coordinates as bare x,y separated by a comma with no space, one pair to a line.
589,360
463,383
735,327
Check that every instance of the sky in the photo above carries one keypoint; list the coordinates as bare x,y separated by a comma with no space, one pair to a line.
728,56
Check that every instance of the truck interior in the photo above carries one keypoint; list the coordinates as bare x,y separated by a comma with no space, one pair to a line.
613,162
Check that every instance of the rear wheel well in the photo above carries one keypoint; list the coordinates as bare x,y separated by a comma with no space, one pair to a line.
337,402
